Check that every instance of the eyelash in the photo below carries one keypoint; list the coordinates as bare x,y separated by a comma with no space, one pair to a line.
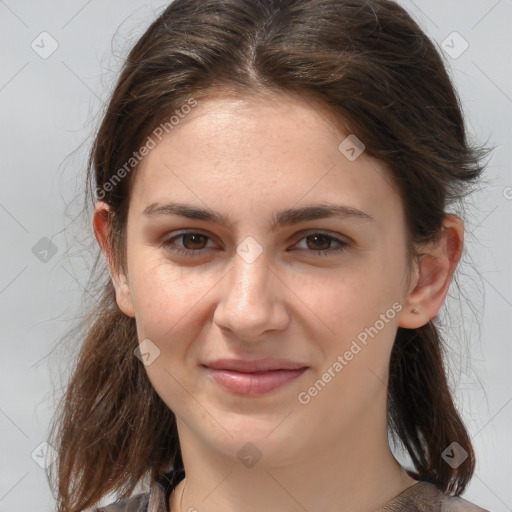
168,244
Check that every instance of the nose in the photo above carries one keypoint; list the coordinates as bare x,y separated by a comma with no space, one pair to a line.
252,300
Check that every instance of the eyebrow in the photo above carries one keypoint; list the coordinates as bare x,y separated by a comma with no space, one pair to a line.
282,218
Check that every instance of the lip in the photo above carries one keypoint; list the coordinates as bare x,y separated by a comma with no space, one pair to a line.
254,378
256,365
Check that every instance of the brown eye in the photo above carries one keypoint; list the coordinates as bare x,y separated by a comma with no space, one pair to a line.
192,243
319,242
193,240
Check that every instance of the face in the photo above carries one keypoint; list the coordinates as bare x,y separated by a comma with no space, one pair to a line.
265,272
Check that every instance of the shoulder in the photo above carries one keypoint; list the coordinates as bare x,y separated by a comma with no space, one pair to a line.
138,503
458,504
426,497
159,495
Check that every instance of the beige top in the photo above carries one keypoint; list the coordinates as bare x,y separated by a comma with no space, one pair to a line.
420,497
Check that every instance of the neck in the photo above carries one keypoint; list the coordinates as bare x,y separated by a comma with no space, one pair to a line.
358,474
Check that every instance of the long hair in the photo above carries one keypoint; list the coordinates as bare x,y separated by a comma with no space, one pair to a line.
377,71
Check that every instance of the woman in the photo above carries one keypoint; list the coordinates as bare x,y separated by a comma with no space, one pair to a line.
272,182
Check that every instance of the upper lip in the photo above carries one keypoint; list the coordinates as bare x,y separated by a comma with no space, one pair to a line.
259,365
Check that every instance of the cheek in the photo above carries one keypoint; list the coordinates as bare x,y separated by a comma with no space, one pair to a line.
356,360
165,297
361,308
356,298
169,313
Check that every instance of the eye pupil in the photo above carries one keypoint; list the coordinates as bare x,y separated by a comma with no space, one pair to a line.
324,238
197,238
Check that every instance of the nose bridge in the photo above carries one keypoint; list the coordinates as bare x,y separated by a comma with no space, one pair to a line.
251,301
248,284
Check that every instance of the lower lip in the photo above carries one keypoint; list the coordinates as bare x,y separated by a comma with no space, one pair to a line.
254,384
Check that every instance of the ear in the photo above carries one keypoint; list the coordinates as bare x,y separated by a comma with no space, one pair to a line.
433,275
101,224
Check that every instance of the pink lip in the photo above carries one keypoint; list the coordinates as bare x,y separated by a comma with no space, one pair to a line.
254,378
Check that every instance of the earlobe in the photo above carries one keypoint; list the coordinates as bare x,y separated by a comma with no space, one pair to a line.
123,295
101,224
434,275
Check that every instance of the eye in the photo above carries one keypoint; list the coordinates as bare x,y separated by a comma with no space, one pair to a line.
192,241
320,244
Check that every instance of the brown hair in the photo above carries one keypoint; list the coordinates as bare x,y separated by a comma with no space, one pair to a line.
375,69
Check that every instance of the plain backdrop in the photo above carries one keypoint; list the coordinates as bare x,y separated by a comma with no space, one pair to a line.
59,61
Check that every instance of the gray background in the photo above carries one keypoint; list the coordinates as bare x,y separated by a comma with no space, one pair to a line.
50,107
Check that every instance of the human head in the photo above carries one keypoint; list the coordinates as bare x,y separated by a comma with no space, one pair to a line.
375,70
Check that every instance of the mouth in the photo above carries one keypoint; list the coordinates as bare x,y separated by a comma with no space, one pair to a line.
253,378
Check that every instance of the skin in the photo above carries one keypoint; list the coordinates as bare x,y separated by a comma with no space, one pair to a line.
248,158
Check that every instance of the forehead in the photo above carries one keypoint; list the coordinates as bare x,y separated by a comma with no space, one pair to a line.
228,151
